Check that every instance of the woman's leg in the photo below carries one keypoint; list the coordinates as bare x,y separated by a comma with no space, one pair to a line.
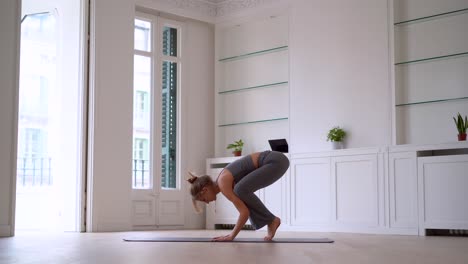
274,166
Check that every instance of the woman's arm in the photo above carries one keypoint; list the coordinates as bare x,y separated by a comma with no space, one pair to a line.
226,188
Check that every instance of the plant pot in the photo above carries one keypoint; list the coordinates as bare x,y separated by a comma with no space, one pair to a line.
237,153
462,137
337,145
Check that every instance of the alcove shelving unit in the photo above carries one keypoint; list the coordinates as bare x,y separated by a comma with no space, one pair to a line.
252,83
426,170
430,66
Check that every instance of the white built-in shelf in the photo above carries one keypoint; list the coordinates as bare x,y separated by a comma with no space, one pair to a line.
450,56
253,122
254,53
433,101
436,16
253,87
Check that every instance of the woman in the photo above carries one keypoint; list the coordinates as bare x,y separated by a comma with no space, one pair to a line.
238,182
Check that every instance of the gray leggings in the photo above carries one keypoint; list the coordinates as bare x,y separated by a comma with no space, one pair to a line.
272,166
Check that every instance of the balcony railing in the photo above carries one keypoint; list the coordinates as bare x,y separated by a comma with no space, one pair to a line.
141,174
34,171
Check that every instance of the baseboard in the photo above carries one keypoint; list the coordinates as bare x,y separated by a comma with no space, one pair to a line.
344,229
5,230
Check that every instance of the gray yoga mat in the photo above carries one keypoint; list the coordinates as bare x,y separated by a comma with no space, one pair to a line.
237,240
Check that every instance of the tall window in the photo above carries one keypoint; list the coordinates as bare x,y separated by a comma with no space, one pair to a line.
169,109
36,96
156,73
143,79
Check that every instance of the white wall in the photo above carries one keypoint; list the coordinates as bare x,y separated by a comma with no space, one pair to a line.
110,156
339,76
339,73
9,72
111,99
198,108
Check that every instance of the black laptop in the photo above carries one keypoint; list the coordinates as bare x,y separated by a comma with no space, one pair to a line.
279,145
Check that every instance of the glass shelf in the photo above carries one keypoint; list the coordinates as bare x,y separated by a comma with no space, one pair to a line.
253,122
433,101
433,58
254,53
253,87
426,18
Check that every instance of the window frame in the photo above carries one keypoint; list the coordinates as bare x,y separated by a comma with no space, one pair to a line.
155,98
161,58
151,137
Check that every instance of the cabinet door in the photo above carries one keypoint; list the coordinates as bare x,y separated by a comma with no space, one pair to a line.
442,189
403,190
356,196
310,192
274,197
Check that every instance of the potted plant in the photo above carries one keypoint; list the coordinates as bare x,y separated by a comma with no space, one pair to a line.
237,147
336,136
462,125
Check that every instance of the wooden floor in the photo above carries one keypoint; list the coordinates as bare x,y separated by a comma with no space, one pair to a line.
347,249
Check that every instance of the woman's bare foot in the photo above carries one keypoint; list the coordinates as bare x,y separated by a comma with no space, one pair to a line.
272,227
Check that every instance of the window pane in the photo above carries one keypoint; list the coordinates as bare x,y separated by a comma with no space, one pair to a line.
141,122
142,35
170,41
169,122
37,91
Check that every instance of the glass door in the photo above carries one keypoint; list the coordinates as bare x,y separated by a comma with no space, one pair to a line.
51,116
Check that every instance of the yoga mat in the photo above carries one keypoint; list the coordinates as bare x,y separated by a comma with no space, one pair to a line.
237,240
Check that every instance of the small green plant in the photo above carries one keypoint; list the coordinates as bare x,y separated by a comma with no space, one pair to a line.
336,134
461,124
237,145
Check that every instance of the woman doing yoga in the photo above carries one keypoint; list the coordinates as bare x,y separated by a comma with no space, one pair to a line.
238,182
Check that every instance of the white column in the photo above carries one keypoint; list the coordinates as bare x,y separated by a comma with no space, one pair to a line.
110,123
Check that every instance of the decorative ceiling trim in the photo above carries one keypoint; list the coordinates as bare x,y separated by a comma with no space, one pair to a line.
205,10
200,7
236,6
215,1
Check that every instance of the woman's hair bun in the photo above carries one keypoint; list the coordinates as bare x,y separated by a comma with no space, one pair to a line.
192,178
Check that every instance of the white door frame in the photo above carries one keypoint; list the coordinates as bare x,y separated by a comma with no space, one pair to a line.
155,207
83,78
14,148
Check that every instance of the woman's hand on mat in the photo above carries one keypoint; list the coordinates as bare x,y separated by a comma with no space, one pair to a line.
223,238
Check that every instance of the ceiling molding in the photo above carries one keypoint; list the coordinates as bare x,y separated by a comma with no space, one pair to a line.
195,9
205,10
215,1
236,6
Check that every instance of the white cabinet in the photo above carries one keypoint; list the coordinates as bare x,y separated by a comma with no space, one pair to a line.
310,195
338,191
356,195
400,190
443,195
275,196
403,190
